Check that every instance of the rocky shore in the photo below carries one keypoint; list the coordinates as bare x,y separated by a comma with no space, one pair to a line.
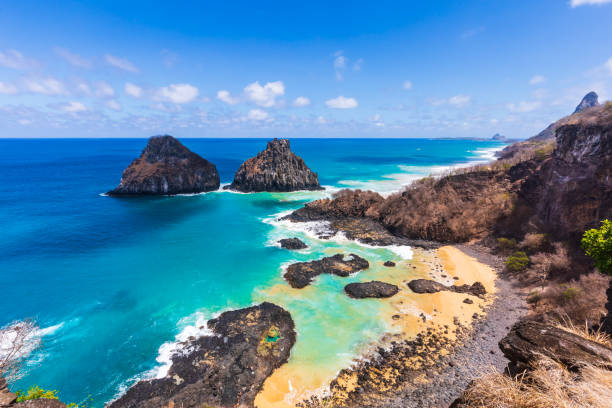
226,369
166,167
301,274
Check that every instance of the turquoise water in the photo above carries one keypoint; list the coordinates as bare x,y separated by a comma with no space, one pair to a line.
112,281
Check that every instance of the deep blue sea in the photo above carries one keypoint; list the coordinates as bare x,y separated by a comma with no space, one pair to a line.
112,282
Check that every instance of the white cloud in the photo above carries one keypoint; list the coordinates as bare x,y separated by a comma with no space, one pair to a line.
46,86
226,97
537,79
72,58
264,95
459,100
407,85
301,101
357,65
83,88
133,90
178,93
257,114
342,102
339,66
7,89
120,63
104,90
609,65
114,105
524,106
576,3
15,60
73,107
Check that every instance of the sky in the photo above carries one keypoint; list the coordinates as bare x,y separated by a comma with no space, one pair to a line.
298,69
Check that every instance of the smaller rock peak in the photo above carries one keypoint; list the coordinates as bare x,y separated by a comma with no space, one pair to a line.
591,99
278,144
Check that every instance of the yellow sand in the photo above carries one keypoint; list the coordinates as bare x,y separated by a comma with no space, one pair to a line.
289,384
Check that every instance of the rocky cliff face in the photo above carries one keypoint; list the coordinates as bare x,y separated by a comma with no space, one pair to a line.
166,167
226,369
591,99
275,169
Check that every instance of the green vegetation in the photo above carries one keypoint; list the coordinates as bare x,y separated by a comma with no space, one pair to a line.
35,392
534,297
569,292
506,243
517,262
597,243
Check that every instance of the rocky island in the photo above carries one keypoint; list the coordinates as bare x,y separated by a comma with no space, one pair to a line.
276,169
301,274
166,167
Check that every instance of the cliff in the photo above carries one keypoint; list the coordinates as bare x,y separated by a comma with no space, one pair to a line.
276,169
166,167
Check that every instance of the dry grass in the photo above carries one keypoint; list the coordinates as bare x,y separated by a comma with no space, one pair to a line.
548,385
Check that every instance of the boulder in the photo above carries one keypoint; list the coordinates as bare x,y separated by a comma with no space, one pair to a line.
276,169
429,286
6,397
292,243
301,274
166,167
226,369
373,289
527,340
389,264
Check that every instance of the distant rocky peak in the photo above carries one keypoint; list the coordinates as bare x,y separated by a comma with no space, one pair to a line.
591,99
280,145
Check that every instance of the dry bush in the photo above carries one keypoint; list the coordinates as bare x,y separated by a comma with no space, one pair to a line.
548,385
17,341
535,243
578,301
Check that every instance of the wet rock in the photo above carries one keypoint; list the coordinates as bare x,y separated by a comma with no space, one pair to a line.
226,369
301,274
389,264
275,169
468,301
292,243
527,340
373,289
166,167
429,286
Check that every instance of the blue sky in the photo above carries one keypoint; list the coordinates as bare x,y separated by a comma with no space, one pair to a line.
298,69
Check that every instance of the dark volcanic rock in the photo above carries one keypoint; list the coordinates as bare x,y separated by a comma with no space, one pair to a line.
166,167
40,403
373,289
389,264
429,286
292,243
527,340
301,274
275,169
227,369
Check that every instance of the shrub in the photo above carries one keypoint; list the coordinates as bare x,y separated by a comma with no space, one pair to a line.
535,242
534,297
506,243
517,262
569,292
35,392
597,243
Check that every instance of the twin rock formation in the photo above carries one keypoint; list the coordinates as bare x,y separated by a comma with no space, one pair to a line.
166,167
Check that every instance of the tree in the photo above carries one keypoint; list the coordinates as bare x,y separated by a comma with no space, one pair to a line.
17,341
597,243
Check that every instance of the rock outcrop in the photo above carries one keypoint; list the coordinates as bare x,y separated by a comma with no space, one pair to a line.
429,286
9,400
226,369
166,167
301,274
276,169
528,340
373,289
591,99
292,243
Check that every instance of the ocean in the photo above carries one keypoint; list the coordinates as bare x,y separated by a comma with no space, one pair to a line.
115,283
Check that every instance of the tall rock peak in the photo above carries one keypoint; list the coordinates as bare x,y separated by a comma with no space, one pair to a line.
591,99
275,169
166,167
